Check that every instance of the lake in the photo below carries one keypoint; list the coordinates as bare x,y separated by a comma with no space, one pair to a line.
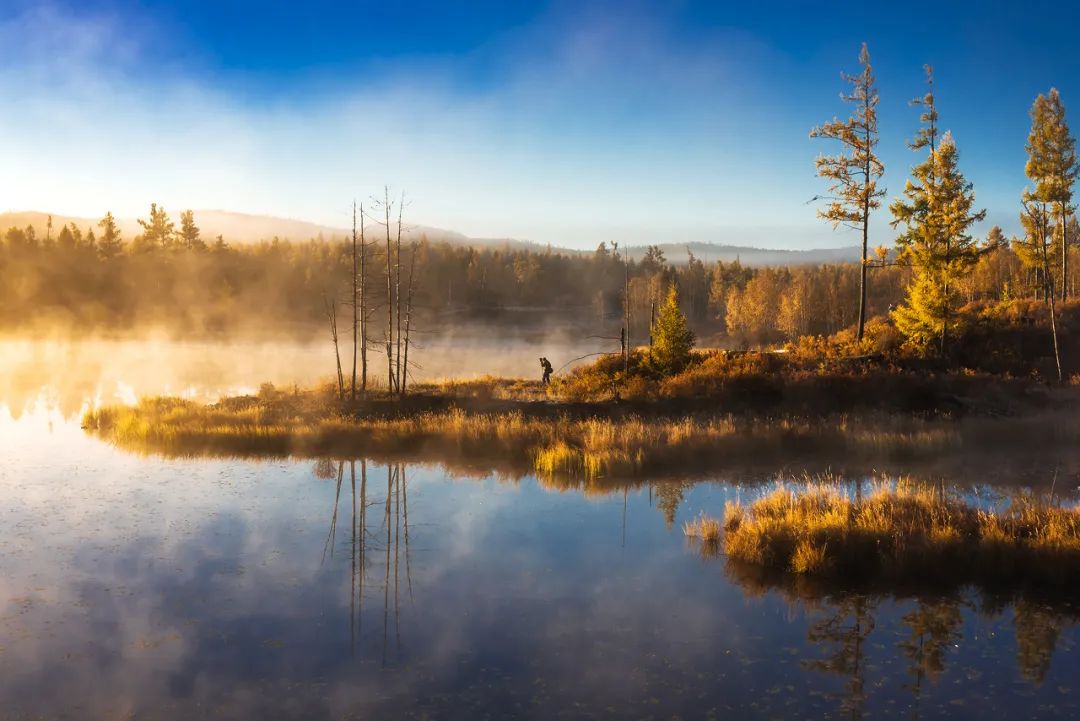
137,587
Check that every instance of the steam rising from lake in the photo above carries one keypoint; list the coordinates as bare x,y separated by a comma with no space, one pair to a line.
69,375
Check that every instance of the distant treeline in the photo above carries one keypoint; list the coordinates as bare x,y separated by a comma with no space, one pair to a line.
92,279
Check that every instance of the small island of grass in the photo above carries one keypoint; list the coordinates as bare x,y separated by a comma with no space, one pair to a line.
899,533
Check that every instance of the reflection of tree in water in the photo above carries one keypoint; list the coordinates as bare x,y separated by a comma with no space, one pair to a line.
1037,631
844,629
934,625
842,620
362,540
669,496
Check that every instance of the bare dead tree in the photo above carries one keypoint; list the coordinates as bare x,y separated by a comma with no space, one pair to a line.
355,305
389,333
397,294
363,304
331,315
408,317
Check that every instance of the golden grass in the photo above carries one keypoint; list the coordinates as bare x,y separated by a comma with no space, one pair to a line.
904,531
576,447
703,527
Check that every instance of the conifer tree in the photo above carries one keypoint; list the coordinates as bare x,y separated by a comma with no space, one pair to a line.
939,246
158,231
111,244
66,240
937,213
1052,165
190,235
672,340
853,173
995,238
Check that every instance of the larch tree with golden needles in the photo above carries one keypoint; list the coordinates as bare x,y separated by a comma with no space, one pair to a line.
1052,165
672,340
937,212
853,173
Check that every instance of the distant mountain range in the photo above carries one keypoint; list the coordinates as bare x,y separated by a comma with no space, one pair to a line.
241,228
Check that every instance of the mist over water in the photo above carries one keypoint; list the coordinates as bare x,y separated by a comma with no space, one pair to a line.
69,375
297,589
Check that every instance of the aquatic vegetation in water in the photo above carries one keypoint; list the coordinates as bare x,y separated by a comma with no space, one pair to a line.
904,532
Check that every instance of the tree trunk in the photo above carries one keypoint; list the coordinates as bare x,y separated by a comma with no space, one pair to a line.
397,294
1050,296
331,314
408,321
355,325
1064,256
862,271
363,304
389,296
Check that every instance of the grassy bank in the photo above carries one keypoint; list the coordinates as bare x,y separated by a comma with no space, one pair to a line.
904,533
590,447
572,441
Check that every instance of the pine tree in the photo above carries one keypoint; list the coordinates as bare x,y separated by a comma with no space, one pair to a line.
189,232
937,213
940,246
996,239
672,340
1052,165
854,172
158,231
66,241
111,244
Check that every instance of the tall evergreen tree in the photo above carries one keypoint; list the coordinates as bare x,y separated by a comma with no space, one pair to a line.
853,173
190,235
937,213
672,340
940,246
1052,165
111,244
158,231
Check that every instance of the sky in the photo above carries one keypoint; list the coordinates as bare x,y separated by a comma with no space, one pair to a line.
567,123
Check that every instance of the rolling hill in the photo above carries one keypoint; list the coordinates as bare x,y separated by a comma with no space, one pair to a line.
242,228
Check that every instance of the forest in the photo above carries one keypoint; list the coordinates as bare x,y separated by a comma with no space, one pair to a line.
84,281
934,279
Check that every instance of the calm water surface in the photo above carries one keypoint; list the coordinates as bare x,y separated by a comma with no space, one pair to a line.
140,588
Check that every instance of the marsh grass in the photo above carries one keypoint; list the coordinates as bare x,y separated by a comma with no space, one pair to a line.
706,531
590,448
904,532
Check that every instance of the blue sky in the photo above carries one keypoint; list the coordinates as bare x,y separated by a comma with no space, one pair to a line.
568,123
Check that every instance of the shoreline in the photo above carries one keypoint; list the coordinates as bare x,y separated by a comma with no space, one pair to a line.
505,429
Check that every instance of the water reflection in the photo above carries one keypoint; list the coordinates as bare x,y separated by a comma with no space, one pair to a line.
338,589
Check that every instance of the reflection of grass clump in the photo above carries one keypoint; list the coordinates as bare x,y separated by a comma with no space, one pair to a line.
903,531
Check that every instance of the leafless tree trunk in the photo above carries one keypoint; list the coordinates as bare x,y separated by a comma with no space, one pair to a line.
331,315
389,295
408,318
355,309
397,294
363,304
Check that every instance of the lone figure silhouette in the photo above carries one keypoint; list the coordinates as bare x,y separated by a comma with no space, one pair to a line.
548,370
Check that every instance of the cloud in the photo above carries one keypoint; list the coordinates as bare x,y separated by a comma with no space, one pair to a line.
585,127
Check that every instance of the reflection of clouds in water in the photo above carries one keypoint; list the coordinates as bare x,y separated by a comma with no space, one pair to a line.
180,589
201,583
